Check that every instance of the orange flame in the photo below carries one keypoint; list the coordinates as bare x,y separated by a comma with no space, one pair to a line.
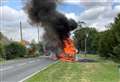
69,51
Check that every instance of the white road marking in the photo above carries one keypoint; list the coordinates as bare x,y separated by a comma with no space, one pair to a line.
37,72
6,68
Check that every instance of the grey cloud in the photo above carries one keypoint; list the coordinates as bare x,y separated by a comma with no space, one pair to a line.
100,17
92,13
92,3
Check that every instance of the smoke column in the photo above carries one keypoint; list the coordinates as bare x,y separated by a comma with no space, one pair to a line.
57,26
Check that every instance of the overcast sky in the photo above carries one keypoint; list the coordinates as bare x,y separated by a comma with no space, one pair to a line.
96,13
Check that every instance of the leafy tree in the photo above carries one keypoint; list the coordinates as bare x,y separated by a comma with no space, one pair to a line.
40,48
80,36
110,40
116,31
1,50
32,49
14,50
117,52
106,43
116,28
35,49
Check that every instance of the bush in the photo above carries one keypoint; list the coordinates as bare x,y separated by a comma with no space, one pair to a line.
1,50
32,50
106,43
117,52
14,50
40,49
35,50
109,41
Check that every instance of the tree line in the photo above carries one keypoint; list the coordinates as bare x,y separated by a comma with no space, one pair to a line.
18,50
106,43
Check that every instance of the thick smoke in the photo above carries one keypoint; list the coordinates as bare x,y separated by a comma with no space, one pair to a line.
56,25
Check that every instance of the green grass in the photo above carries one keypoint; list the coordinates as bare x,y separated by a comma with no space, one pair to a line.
88,56
78,72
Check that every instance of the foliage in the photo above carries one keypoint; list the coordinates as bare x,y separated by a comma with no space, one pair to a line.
36,49
32,49
80,36
14,50
117,53
110,40
40,48
1,50
106,43
117,50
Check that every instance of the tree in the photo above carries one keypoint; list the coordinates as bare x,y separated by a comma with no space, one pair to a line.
116,51
14,50
110,40
116,30
40,48
106,43
1,50
33,49
80,36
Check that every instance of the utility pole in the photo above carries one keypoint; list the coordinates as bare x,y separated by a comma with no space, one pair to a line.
38,34
86,43
21,35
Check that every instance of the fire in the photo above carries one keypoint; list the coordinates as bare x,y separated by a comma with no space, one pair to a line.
69,51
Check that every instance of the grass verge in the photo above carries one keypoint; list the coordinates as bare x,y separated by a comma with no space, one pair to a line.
78,72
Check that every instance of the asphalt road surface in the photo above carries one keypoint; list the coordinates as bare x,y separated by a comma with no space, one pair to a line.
16,70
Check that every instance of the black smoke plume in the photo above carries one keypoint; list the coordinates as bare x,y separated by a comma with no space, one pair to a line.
56,25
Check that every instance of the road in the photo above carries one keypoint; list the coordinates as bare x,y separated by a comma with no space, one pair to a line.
16,70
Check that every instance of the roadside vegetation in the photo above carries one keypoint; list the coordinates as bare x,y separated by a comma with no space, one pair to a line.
101,71
16,50
1,53
106,43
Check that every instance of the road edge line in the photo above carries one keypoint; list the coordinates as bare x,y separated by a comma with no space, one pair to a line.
37,72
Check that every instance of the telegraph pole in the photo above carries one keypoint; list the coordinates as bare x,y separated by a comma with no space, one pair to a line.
38,34
86,43
21,35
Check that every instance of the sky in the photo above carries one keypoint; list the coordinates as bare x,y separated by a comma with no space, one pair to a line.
95,13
